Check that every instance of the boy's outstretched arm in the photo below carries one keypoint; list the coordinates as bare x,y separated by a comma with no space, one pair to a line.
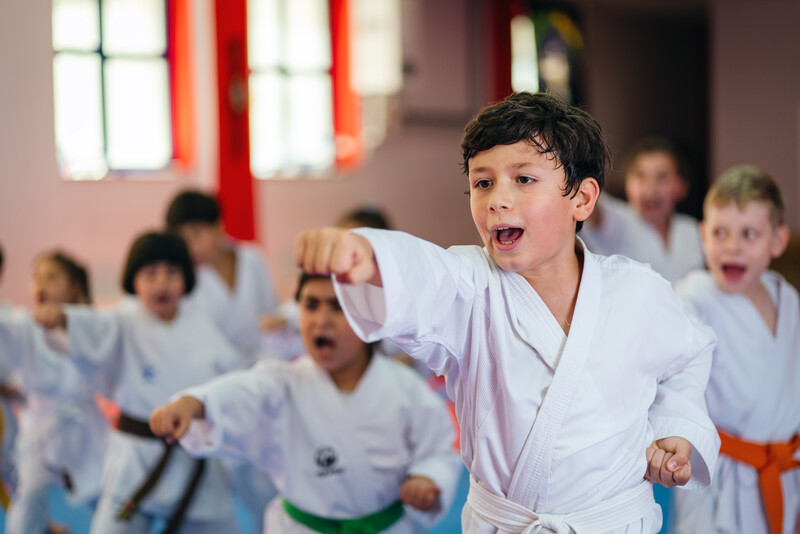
669,462
172,420
336,251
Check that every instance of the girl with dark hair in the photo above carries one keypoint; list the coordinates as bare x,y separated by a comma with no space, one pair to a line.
150,349
61,431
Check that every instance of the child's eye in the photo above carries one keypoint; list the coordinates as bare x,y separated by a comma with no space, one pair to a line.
720,232
525,179
310,304
482,184
750,233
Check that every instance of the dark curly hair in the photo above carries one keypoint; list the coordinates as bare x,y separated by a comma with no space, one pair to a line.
553,126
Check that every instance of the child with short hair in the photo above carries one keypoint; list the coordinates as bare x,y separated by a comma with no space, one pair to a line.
349,437
647,228
753,394
234,285
149,349
61,431
568,392
234,288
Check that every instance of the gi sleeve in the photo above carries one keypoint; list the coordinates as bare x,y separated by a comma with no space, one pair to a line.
235,405
679,408
425,301
15,340
94,342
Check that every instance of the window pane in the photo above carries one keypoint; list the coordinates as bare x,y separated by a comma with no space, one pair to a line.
263,34
308,42
311,122
134,27
266,143
377,47
78,116
138,114
524,59
76,25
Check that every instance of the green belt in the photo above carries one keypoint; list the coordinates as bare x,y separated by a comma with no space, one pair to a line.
369,524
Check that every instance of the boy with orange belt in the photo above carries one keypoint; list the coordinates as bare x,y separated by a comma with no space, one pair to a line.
753,395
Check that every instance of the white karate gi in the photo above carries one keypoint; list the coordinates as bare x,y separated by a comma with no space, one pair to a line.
237,312
61,430
623,231
333,454
148,360
754,394
632,370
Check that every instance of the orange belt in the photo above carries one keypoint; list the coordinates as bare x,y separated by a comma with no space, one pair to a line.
770,460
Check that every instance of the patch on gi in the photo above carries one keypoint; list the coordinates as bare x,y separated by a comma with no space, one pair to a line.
326,459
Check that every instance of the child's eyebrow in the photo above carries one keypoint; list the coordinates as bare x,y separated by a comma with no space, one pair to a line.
515,166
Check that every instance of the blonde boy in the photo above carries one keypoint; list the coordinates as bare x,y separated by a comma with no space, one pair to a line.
572,374
753,394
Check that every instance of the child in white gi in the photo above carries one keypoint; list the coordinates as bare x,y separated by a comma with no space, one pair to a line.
647,228
62,433
234,288
572,374
753,394
150,349
234,285
348,437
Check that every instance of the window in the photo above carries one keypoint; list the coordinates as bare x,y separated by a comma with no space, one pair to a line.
111,81
322,74
291,111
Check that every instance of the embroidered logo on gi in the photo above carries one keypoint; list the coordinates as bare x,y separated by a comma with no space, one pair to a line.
326,461
148,373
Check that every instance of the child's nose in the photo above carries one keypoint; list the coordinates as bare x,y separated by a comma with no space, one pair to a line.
500,198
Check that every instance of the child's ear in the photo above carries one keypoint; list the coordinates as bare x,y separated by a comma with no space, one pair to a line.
586,198
780,240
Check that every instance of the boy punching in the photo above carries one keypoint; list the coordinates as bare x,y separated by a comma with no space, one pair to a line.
574,376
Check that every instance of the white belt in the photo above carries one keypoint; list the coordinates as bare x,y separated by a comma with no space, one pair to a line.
612,513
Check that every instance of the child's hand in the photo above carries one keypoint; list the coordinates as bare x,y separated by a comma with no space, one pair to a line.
172,420
50,315
272,322
419,492
668,462
337,251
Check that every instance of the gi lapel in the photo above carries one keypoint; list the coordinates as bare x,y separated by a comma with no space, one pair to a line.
530,479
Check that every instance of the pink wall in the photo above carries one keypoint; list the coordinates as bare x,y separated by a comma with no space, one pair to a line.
756,91
415,174
38,210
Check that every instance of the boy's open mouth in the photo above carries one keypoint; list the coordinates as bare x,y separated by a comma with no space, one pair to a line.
732,271
507,235
323,342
